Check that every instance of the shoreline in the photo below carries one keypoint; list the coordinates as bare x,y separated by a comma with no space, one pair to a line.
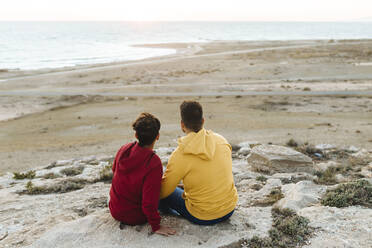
181,49
16,74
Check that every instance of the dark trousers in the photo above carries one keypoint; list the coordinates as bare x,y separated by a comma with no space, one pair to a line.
175,204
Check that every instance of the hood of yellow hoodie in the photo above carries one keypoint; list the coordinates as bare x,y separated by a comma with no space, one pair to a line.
201,144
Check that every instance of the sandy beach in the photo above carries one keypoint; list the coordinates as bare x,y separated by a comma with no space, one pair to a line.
265,91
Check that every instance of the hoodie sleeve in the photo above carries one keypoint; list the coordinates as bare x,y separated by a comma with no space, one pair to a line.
174,173
150,194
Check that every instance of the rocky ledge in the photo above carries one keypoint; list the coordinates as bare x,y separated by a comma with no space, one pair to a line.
297,195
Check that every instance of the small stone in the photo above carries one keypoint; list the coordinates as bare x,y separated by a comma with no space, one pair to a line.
352,149
249,144
340,178
318,155
105,158
3,233
64,162
324,166
88,159
244,151
164,151
367,171
363,155
256,186
323,147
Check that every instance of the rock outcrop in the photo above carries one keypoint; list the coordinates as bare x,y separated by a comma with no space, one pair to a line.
339,227
272,159
300,195
101,230
64,204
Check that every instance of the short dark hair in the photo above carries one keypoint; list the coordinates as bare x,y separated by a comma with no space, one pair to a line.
147,128
192,115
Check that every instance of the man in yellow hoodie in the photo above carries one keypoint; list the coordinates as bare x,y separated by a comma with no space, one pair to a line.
202,161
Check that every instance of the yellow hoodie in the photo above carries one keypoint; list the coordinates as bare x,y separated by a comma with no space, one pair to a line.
203,161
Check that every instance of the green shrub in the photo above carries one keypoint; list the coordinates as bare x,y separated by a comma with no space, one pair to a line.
349,194
292,143
261,179
290,226
27,175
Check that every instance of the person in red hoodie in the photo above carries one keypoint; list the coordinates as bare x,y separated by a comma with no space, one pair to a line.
136,182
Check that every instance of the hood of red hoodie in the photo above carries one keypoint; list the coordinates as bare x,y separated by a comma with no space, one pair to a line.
133,157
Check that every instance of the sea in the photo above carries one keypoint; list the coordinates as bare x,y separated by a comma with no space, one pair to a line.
38,45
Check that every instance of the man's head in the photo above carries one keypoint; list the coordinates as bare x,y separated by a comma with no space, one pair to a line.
147,129
191,116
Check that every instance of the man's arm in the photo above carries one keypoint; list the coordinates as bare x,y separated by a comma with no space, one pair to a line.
174,173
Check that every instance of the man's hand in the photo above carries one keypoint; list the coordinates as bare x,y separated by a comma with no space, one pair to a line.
165,231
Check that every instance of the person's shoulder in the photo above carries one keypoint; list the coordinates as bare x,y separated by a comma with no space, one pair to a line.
156,158
176,153
126,146
155,161
218,137
220,140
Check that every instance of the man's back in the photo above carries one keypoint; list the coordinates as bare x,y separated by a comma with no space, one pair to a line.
136,185
203,161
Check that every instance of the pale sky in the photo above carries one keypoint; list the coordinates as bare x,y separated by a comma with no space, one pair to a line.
185,10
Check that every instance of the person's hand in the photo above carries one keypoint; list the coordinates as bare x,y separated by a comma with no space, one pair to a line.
165,231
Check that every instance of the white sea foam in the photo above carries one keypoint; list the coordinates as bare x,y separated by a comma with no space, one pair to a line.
364,64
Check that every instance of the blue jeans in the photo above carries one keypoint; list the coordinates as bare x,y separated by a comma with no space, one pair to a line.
174,203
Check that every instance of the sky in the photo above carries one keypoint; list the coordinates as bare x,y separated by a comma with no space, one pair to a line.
185,10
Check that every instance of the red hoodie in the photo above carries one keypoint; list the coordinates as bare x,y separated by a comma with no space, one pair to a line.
135,189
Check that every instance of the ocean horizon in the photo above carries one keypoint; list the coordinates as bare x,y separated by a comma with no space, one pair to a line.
38,45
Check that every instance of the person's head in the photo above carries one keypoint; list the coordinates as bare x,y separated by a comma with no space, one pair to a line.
147,129
191,116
